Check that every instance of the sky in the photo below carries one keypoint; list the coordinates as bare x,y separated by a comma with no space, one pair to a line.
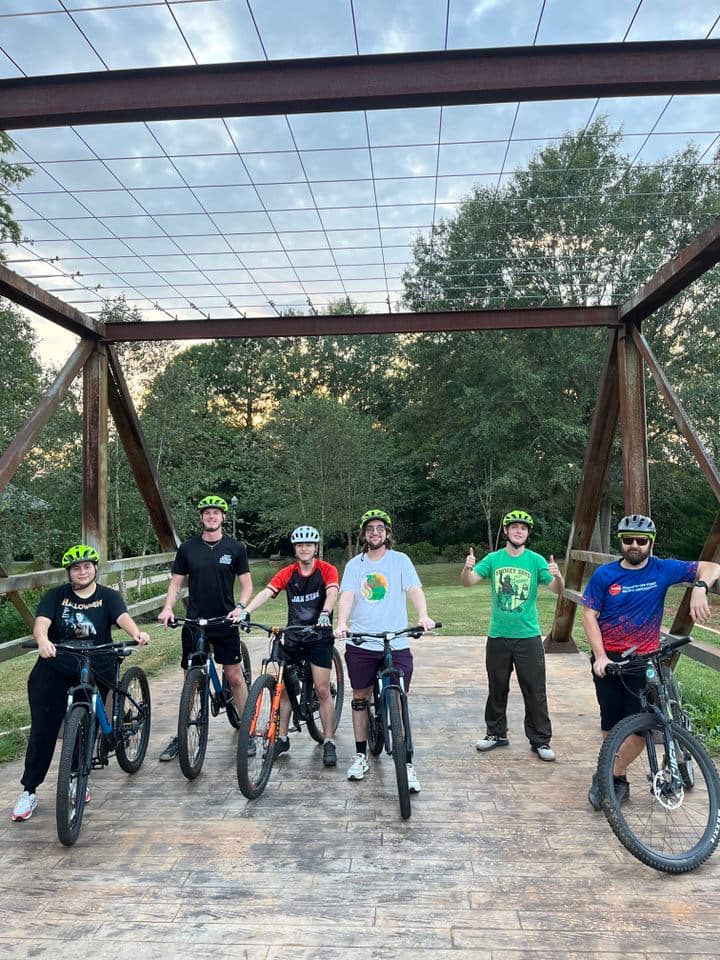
252,216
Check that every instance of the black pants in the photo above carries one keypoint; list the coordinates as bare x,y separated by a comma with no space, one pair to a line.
528,658
47,694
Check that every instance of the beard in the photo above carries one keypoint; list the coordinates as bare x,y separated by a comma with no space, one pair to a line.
635,557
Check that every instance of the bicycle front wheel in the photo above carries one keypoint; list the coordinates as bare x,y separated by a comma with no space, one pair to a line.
258,734
376,737
337,692
133,731
73,774
399,750
231,709
663,823
193,723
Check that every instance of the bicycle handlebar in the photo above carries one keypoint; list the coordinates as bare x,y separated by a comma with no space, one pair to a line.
84,648
414,632
633,659
198,621
300,628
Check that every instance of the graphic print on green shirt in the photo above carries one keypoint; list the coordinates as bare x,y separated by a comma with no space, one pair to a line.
513,586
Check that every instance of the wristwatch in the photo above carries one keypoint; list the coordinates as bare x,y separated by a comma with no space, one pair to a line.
701,583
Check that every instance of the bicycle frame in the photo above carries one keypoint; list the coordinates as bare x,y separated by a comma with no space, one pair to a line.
389,677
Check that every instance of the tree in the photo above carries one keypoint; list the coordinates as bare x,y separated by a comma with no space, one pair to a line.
11,174
507,414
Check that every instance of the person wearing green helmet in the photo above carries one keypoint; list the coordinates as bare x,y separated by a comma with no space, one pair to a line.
209,562
372,599
514,639
79,608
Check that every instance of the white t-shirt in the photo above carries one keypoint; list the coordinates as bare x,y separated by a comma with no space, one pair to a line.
379,588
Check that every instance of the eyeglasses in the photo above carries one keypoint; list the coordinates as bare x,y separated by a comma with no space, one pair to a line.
640,541
375,528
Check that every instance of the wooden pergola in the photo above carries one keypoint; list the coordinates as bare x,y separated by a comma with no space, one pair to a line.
367,83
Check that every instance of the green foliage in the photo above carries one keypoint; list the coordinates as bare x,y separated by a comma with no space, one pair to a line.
422,552
11,174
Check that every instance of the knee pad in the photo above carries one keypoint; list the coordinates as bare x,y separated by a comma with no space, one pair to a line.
359,705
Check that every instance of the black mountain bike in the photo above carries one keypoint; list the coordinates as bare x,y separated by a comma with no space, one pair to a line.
261,717
388,714
90,736
670,820
204,694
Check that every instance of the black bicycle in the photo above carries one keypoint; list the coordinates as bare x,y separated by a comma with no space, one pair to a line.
668,815
388,714
261,717
90,736
204,695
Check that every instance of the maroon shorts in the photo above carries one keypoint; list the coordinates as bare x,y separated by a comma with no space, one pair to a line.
363,665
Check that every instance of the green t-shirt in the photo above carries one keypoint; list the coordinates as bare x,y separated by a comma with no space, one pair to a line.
514,585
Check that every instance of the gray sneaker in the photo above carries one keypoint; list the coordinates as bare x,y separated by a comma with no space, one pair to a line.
170,751
544,752
329,754
490,741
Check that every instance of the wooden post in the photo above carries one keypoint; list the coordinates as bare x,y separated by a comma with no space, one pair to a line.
587,504
95,436
633,424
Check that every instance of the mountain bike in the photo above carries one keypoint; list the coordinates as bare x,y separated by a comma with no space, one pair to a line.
388,714
90,736
261,717
204,694
669,816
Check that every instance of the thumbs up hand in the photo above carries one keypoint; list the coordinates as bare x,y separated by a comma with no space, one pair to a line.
470,559
553,567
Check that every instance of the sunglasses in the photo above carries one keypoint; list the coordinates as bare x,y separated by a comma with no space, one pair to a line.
640,541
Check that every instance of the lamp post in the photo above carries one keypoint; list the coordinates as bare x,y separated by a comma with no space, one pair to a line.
233,504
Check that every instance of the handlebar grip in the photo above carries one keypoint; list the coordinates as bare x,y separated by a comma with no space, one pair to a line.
30,645
613,669
438,625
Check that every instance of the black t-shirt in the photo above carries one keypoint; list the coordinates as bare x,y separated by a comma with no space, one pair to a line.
306,595
80,618
211,569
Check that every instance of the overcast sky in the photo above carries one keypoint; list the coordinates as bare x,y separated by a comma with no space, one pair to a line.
196,217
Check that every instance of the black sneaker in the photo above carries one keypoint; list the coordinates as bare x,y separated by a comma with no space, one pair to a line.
622,789
329,754
490,741
170,751
594,794
281,746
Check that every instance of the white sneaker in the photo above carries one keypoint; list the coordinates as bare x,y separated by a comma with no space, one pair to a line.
413,782
25,806
358,768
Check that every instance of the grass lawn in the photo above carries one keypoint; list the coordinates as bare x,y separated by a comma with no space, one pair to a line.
462,611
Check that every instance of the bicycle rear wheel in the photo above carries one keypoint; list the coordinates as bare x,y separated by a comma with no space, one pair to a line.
258,732
376,737
134,720
193,723
399,750
73,774
337,692
663,823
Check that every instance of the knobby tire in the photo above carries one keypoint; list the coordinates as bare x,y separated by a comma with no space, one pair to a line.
253,772
193,723
337,691
399,750
73,773
134,712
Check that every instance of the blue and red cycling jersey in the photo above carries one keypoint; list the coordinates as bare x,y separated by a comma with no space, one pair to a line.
630,602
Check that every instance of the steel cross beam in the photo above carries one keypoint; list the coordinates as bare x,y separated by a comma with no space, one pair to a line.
318,85
697,258
362,323
27,294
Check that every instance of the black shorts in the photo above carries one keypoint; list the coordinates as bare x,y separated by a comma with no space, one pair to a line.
317,649
363,665
618,697
225,644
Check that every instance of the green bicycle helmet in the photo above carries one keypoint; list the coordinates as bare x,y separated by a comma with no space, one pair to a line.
216,503
375,515
79,554
637,523
518,516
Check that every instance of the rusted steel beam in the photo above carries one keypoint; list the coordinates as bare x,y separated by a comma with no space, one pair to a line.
683,624
697,258
592,483
33,426
557,72
362,323
633,424
29,295
18,602
138,454
700,452
95,435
